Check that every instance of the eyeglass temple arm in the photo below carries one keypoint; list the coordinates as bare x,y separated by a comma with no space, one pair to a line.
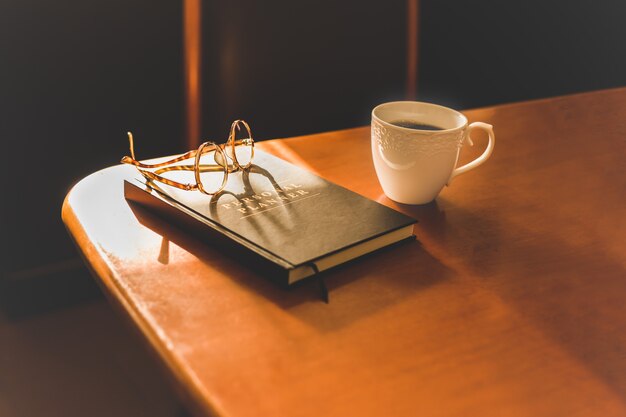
155,177
202,168
132,161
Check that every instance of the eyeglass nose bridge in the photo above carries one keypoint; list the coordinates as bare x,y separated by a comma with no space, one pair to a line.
221,158
228,150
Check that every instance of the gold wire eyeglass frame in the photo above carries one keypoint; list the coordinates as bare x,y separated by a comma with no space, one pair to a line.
223,153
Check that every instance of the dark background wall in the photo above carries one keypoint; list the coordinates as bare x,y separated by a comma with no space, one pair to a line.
478,53
293,68
301,67
76,75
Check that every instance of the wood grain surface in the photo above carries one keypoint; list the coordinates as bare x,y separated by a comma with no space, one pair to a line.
511,302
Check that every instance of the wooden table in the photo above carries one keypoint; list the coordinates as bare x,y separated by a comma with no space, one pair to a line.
512,302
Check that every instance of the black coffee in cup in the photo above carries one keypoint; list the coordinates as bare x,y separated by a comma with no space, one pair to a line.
410,124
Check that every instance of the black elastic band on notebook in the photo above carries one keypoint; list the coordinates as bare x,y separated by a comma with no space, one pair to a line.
320,282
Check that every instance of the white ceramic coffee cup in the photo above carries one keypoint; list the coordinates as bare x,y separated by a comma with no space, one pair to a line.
413,165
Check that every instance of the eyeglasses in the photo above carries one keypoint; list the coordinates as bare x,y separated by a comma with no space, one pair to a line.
211,166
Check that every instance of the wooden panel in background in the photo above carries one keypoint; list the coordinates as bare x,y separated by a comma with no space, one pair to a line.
296,68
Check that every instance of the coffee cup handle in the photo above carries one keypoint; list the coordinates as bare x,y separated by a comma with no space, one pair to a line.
485,155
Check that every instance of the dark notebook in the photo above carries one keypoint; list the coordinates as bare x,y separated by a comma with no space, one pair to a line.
284,220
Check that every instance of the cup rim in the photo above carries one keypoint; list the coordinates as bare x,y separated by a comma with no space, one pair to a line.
423,103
